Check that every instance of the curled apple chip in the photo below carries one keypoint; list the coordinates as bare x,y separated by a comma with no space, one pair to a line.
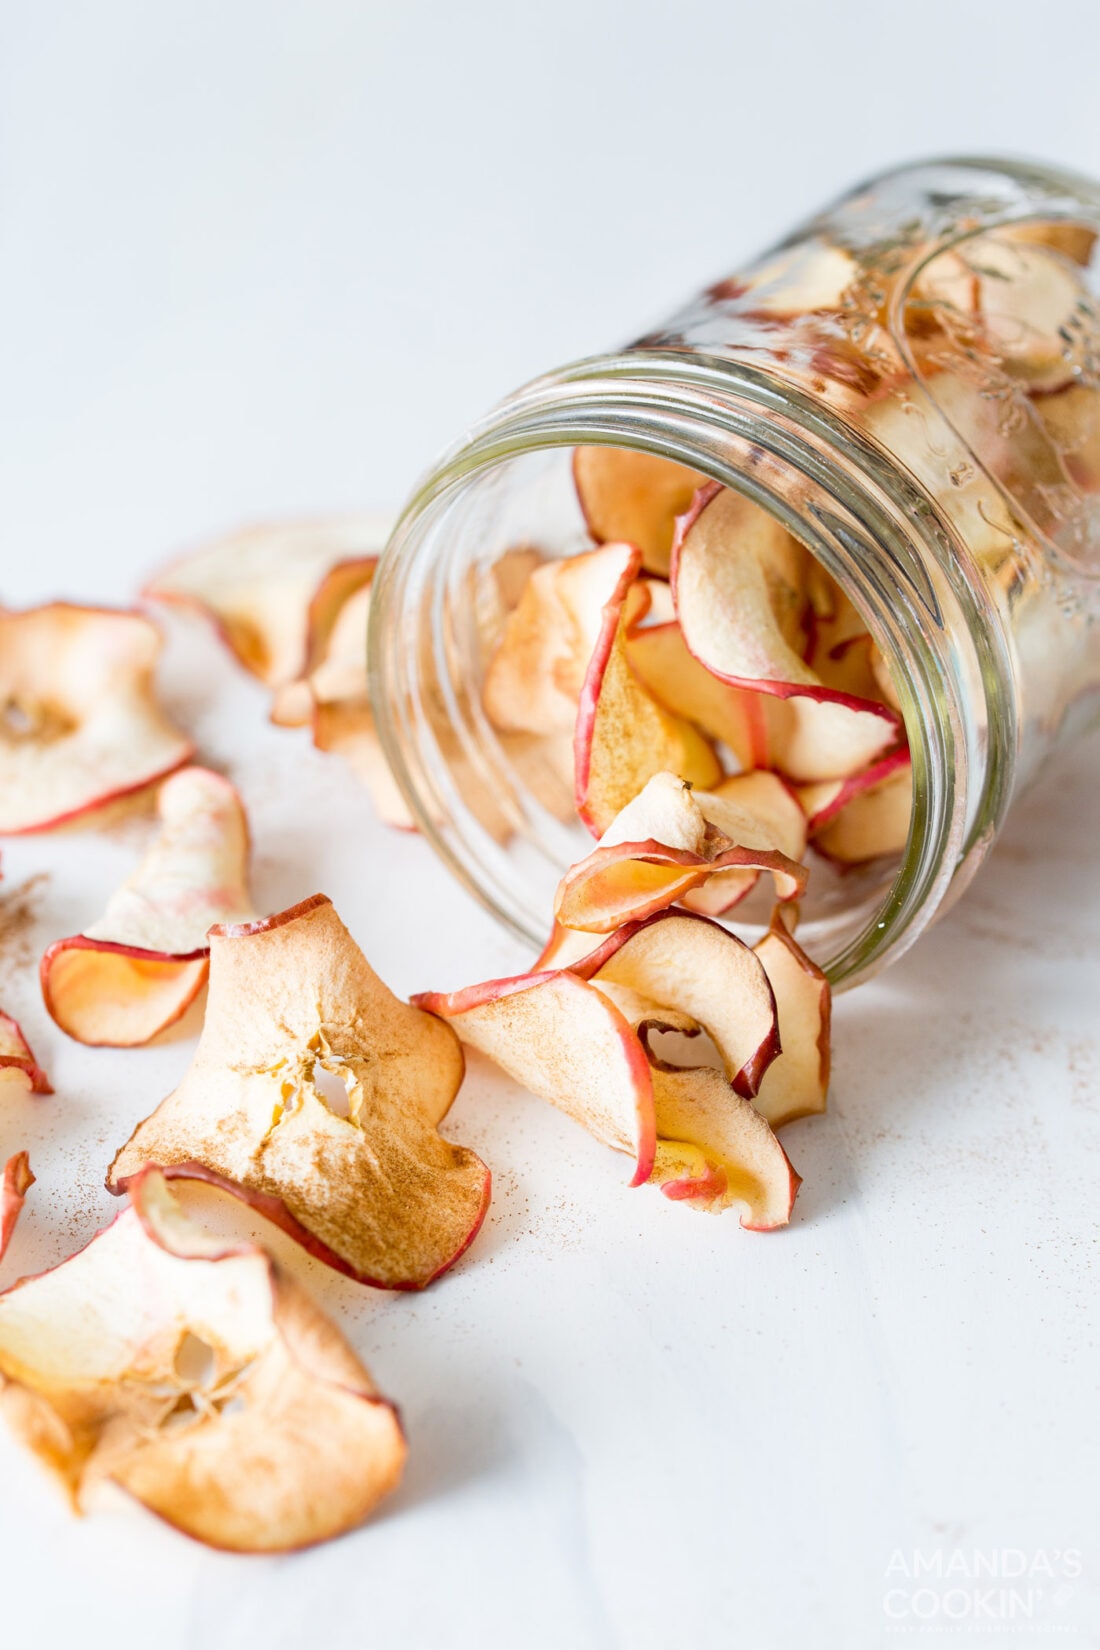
579,1037
17,1063
534,679
634,497
200,1379
315,1096
670,841
16,1181
733,716
795,1084
743,593
79,722
865,817
624,736
138,969
272,591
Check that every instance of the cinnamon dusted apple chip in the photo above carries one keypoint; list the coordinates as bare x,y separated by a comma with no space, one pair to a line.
273,591
199,1378
17,1063
624,736
797,1082
634,497
79,722
579,1037
743,593
315,1095
865,817
16,1181
138,968
672,843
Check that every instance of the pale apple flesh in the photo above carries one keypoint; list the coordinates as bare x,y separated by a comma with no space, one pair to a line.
744,591
796,1084
200,1379
137,970
17,1063
80,726
315,1095
865,817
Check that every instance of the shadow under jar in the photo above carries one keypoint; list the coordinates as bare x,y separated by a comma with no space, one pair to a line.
910,385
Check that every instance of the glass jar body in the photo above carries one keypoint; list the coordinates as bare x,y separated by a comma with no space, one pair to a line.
911,384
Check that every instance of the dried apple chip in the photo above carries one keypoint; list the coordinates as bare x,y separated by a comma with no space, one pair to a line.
579,1038
137,970
634,497
200,1379
743,590
670,841
17,1063
16,1181
299,1031
79,722
733,716
865,817
797,1082
272,591
623,734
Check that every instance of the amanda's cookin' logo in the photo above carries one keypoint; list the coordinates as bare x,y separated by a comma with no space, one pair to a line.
986,1589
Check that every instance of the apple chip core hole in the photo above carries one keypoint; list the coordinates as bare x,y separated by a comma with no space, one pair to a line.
673,1048
333,1090
194,1361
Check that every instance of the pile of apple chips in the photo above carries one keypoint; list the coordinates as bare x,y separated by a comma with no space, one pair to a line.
723,707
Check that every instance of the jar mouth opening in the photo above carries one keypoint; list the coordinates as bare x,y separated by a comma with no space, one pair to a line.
870,529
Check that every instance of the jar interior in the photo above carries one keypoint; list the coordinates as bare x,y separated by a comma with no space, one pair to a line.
499,805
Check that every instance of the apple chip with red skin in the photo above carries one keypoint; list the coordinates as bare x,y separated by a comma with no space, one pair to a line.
624,735
16,1180
634,497
743,590
672,843
579,1037
796,1084
199,1378
138,968
866,817
299,1028
17,1063
274,590
80,726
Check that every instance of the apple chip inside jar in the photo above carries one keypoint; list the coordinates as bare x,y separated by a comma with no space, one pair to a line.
671,843
634,497
16,1181
579,1037
624,736
200,1379
315,1095
138,968
79,722
743,592
866,817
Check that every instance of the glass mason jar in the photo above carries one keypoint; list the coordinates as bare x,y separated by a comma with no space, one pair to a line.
910,383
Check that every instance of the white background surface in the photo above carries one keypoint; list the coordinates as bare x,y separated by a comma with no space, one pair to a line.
268,258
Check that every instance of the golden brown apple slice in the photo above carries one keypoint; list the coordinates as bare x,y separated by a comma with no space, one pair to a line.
273,590
633,497
670,841
16,1181
797,1082
624,736
865,817
1071,418
79,722
742,590
138,969
201,1379
315,1095
533,682
579,1038
17,1063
